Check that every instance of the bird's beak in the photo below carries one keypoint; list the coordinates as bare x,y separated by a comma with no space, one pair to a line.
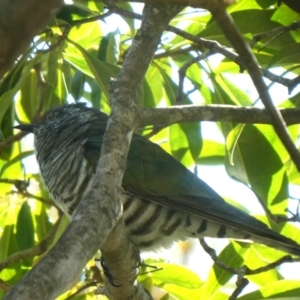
26,127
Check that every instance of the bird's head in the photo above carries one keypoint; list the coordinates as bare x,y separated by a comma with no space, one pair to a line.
65,125
58,118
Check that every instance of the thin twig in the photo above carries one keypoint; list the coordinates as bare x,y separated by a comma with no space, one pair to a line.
182,73
38,249
278,218
81,21
20,185
41,199
12,139
4,286
174,52
84,287
200,43
232,33
240,285
243,270
277,31
212,113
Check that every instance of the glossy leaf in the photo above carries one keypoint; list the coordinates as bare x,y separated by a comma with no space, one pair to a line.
254,21
76,61
211,153
174,274
7,96
25,230
259,166
29,97
284,289
90,65
16,159
186,142
7,131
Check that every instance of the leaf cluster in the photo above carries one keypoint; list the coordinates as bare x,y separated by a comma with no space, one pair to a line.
76,57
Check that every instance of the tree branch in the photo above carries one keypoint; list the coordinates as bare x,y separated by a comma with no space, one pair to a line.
232,33
38,249
214,113
275,31
92,224
182,73
211,45
192,3
20,21
125,114
12,139
197,113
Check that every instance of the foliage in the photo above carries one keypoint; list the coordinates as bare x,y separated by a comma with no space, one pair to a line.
74,60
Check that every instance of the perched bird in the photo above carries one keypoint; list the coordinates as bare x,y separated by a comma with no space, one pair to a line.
162,201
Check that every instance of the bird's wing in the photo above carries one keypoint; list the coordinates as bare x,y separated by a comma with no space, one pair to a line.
155,175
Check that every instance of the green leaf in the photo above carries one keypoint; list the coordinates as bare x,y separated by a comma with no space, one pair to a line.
102,50
259,256
8,243
7,97
182,293
146,98
52,65
280,290
42,222
253,160
108,49
170,88
250,4
28,97
173,274
284,15
61,229
7,131
112,54
185,142
95,93
223,94
87,35
25,229
77,85
286,56
154,81
250,22
67,75
16,159
229,93
212,153
90,65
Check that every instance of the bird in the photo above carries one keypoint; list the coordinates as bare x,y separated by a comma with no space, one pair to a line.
163,201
